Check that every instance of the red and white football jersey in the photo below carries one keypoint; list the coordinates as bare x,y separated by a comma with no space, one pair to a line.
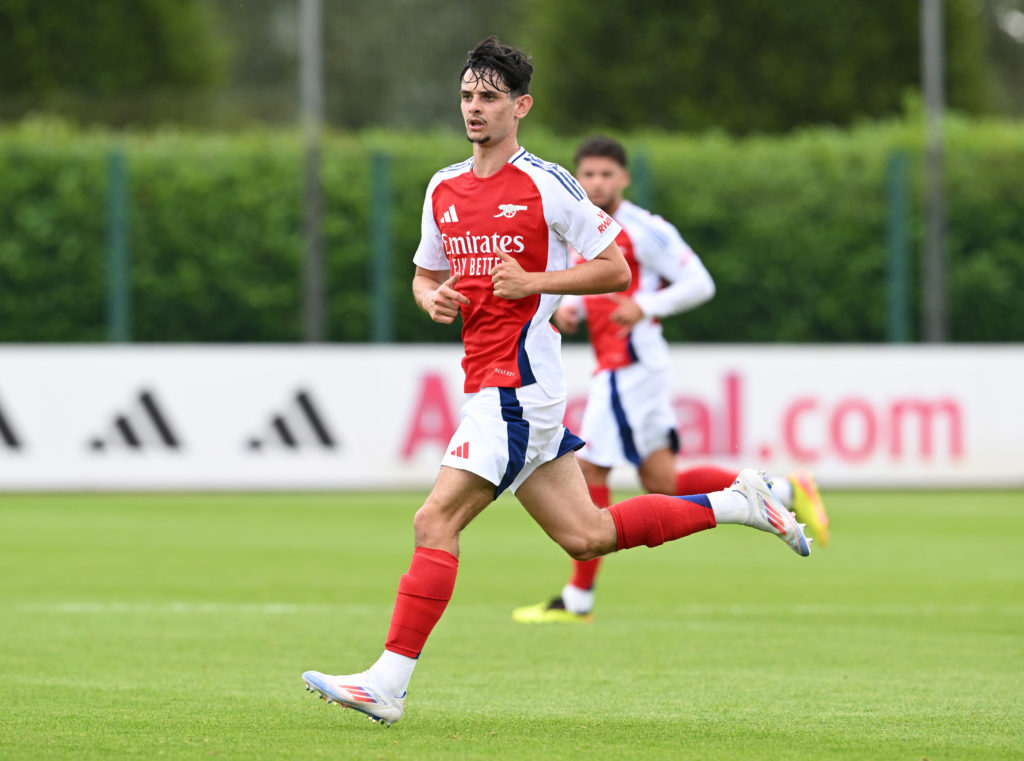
668,277
533,210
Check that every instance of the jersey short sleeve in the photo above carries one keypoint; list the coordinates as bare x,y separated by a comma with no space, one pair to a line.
588,229
569,213
430,254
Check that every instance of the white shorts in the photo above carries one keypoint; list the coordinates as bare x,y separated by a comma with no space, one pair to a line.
628,416
505,434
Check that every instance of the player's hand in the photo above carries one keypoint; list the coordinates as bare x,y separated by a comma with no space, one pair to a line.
627,314
510,280
442,304
566,319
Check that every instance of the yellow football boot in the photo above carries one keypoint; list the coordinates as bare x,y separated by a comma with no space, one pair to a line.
809,507
553,612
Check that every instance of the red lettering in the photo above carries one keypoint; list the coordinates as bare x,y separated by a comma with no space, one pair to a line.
790,428
694,427
858,408
924,412
733,413
858,431
432,421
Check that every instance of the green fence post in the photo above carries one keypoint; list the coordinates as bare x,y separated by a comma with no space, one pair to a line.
380,249
118,262
640,186
898,264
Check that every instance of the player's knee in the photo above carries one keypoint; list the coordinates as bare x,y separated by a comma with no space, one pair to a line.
657,484
428,524
592,536
582,547
587,552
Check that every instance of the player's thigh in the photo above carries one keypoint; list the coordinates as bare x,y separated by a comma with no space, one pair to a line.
658,472
556,496
458,496
593,474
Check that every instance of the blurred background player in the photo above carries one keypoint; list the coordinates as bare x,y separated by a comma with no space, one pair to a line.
510,436
628,416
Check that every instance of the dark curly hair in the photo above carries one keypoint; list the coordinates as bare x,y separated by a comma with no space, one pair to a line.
501,66
599,145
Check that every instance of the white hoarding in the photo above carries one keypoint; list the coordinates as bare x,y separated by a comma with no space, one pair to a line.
233,417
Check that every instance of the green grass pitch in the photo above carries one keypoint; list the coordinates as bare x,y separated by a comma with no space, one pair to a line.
176,626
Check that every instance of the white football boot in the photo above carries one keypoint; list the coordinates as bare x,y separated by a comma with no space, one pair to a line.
767,513
359,691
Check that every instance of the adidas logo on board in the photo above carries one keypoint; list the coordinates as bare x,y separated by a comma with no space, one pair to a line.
300,424
143,426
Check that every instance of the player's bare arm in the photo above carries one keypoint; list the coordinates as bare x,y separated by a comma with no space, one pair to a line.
605,273
434,291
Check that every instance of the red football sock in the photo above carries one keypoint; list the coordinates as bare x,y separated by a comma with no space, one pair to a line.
585,571
601,495
423,594
704,479
654,519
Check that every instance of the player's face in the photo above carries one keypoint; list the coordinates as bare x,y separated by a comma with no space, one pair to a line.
604,179
488,110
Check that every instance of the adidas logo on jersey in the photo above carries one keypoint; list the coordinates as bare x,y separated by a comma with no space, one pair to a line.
508,210
462,450
450,215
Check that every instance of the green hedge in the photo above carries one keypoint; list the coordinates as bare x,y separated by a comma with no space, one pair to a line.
792,229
